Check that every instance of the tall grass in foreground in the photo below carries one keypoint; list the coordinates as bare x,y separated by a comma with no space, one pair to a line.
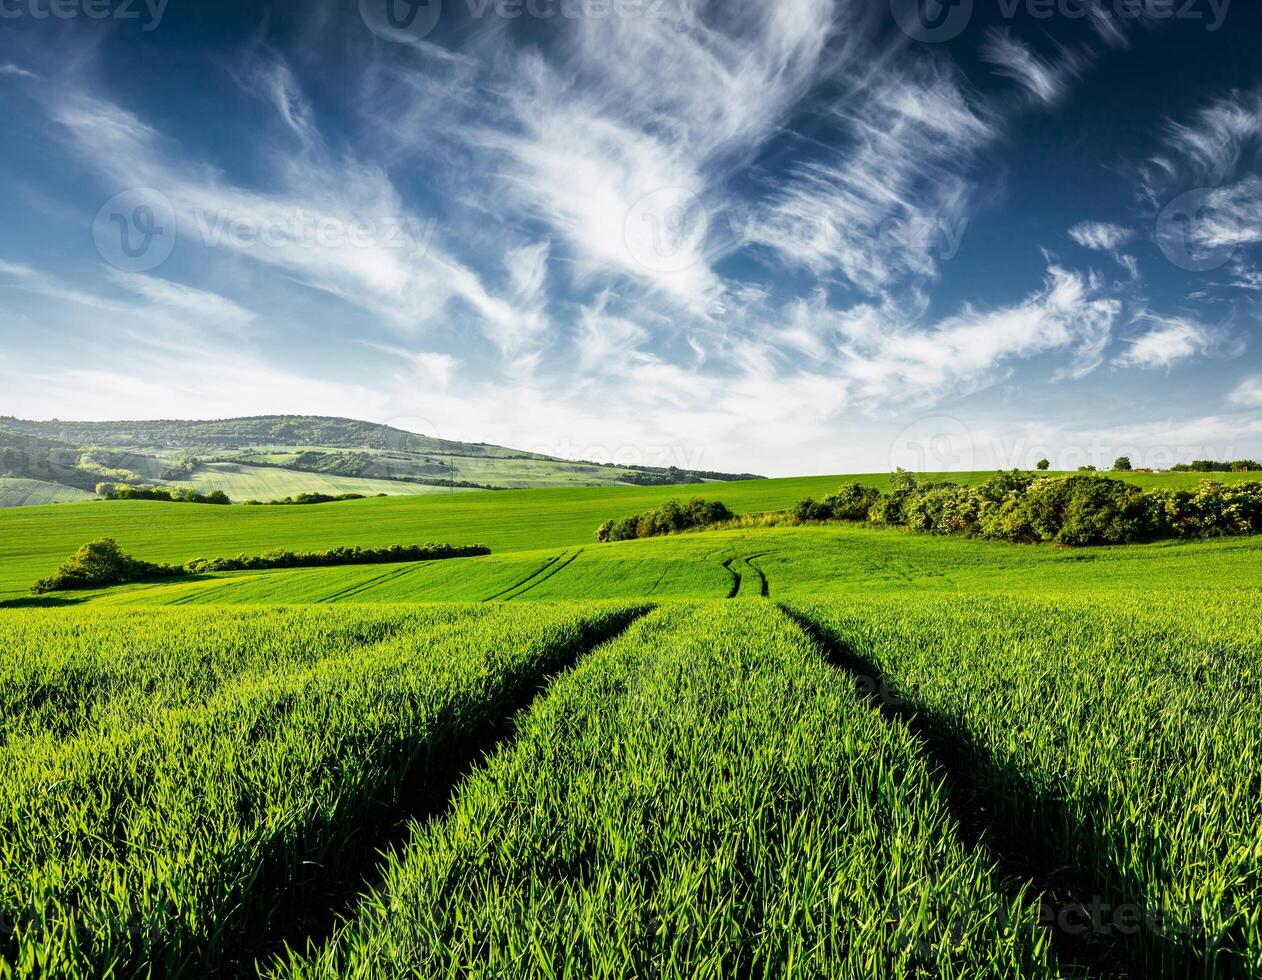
703,798
61,673
1116,742
156,834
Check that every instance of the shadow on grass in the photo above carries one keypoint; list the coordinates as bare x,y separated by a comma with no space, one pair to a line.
42,602
75,598
306,913
1037,841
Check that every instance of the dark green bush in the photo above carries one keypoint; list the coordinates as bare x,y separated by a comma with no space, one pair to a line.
851,502
174,495
99,564
1083,509
103,563
670,518
302,499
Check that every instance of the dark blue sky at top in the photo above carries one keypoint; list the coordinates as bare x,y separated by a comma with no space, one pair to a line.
1049,165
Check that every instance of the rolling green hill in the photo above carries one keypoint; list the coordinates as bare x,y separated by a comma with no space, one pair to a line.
893,744
17,492
272,457
35,540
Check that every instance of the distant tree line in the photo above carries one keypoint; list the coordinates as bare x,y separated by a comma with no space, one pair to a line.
424,481
336,556
1211,466
670,518
103,563
174,495
1123,465
302,499
1068,510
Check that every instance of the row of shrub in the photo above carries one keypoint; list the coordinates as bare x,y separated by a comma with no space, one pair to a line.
336,556
1069,510
1213,466
103,563
174,495
307,498
670,518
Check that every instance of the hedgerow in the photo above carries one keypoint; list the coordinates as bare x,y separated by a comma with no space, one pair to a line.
670,518
100,564
1082,509
174,495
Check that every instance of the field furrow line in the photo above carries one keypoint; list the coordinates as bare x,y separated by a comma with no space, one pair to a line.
995,807
538,571
539,580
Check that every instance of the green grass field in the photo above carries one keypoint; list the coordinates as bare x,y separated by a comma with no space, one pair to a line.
16,492
33,541
835,750
243,483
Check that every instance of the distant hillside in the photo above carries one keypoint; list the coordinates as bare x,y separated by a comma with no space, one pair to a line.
271,457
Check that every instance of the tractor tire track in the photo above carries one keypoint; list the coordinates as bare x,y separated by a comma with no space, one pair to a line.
556,569
517,585
1077,955
381,579
764,585
424,792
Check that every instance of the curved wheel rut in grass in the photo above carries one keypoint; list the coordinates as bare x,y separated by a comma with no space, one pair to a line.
1081,956
424,792
748,580
533,575
554,569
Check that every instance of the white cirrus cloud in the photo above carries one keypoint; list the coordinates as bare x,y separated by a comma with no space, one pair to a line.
1046,81
891,201
1169,340
1100,236
1248,394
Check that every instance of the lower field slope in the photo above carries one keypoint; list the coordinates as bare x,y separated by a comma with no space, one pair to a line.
705,797
1109,747
179,789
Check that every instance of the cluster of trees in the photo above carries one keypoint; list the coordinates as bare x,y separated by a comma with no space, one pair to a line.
1123,465
103,563
174,495
99,564
670,518
308,498
1213,466
1070,510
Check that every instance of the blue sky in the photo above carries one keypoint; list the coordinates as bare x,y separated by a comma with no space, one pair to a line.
803,237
